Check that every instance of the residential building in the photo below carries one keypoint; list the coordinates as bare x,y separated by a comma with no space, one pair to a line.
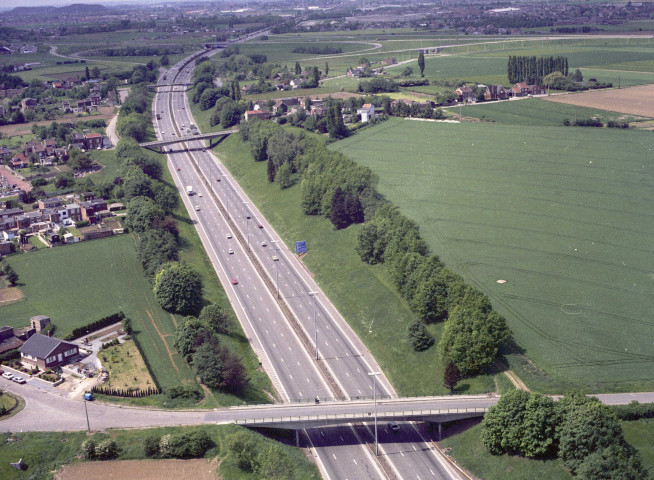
46,352
495,92
261,114
465,94
93,141
367,112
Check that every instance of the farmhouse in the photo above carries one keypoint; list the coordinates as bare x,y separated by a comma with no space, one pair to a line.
465,94
45,352
261,114
495,92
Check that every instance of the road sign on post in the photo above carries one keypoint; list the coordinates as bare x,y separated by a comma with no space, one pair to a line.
301,247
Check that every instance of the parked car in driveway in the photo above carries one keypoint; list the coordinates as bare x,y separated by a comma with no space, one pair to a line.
18,379
8,375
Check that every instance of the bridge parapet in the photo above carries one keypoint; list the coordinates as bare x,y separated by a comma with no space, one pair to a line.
297,422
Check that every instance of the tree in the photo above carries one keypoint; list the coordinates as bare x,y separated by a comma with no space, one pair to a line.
471,339
230,115
79,160
10,275
585,430
298,69
326,69
335,125
88,448
141,214
451,377
315,76
186,334
136,183
164,196
215,318
178,288
283,176
407,72
95,72
419,336
155,248
616,462
151,445
421,63
235,379
164,61
87,73
271,170
430,300
338,215
64,180
208,365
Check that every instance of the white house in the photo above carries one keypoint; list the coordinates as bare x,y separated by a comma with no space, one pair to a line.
367,112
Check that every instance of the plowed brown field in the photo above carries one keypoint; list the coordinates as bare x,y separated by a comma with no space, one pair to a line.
633,100
140,470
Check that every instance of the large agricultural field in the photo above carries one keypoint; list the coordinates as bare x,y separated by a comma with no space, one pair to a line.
633,101
563,214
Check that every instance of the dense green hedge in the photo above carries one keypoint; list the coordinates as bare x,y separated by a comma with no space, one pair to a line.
97,325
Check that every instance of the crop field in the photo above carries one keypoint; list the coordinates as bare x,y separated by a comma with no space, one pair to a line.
539,111
631,101
563,214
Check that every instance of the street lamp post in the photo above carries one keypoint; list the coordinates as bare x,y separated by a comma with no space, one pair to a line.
315,329
374,389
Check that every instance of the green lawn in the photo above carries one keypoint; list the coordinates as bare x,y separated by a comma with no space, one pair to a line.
469,452
44,453
535,111
373,302
562,213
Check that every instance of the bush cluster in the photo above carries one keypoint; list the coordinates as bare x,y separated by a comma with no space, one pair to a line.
104,450
177,445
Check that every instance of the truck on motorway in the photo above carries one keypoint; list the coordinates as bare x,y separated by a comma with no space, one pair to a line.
189,190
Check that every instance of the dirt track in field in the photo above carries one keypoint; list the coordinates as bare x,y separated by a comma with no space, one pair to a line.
633,100
140,470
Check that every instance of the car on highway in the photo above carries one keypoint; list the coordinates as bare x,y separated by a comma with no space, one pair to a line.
229,235
234,281
8,375
394,426
199,194
179,169
260,226
217,179
18,379
263,244
275,258
197,207
230,251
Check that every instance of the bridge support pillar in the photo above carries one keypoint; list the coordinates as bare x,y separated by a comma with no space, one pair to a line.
440,431
297,438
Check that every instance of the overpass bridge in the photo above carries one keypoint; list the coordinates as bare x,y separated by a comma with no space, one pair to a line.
154,86
187,138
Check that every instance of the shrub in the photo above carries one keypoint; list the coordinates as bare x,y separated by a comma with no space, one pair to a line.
88,449
106,450
151,445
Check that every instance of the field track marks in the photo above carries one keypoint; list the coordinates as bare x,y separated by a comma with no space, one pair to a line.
163,340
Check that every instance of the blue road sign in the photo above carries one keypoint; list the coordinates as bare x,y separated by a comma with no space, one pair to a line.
301,247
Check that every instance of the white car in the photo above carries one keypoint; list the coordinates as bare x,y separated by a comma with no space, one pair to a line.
197,207
230,251
275,258
199,194
229,235
8,375
263,244
18,379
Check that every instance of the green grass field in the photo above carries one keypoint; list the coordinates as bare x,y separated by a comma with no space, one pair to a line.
563,214
44,453
535,111
374,300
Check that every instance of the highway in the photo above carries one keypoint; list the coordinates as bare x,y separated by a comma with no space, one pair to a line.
292,371
344,360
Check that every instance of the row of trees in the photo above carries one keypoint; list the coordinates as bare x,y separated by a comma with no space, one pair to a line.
580,430
473,332
266,461
533,69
